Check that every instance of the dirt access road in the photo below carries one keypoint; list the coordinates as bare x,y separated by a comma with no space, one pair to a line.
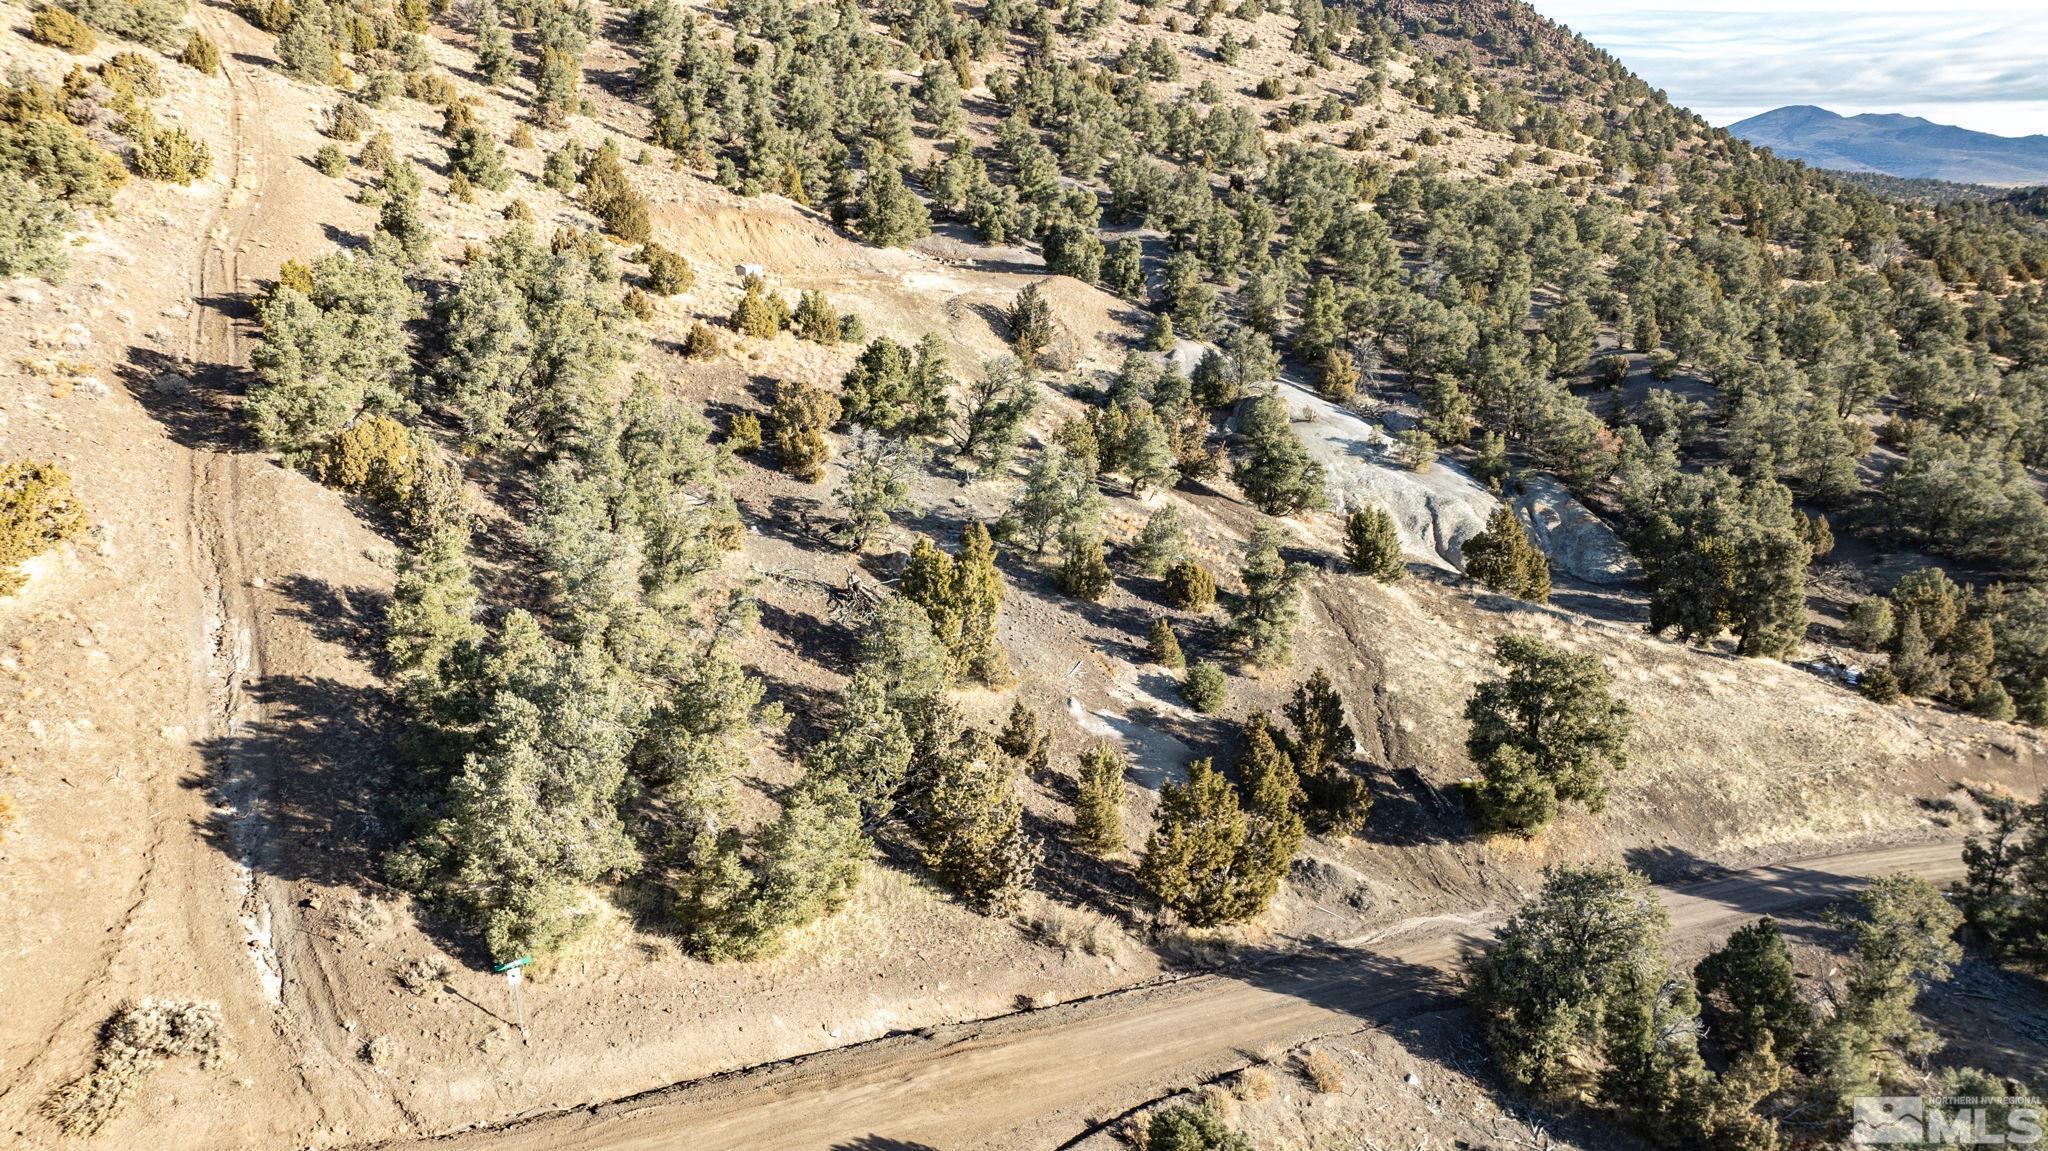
1047,1079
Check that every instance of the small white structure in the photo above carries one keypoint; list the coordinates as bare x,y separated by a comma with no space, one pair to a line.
757,271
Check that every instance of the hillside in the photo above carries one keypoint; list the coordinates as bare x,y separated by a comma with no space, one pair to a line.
769,510
1905,146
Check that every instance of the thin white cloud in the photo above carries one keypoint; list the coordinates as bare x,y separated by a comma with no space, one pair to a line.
1980,65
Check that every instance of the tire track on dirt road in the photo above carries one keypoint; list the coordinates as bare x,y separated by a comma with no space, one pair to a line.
1052,1077
288,965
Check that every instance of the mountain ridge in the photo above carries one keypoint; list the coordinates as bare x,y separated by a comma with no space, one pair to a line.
1895,144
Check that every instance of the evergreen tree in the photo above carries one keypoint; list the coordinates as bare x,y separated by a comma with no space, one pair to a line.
992,422
895,391
1163,647
1031,325
1904,935
1099,801
877,484
1335,801
889,213
1749,999
1262,620
972,827
800,416
1504,558
1190,864
759,313
1084,573
495,59
1560,974
1549,730
1190,587
1276,474
1162,543
978,596
1024,738
1372,546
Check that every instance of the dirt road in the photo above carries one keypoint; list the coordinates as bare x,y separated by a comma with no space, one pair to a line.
1046,1078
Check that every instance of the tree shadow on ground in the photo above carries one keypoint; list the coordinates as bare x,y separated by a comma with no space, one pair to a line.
881,1143
190,401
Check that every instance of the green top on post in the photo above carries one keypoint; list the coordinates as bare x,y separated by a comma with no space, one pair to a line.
519,962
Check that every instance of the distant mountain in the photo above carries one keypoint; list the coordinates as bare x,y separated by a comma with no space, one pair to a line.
1897,146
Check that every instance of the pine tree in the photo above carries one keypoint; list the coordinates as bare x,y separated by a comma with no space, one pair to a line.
896,392
1262,620
1336,801
1504,558
1163,647
1372,546
1099,801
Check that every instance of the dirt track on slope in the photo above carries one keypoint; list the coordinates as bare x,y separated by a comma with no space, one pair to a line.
1048,1078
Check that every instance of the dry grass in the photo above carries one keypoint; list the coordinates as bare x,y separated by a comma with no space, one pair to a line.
1252,1084
425,975
135,1042
1072,929
1322,1071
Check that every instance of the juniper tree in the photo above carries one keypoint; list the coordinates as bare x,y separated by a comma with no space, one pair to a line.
1031,325
895,391
37,512
1749,999
889,213
1190,863
992,422
877,484
1084,573
977,594
868,745
800,416
1274,829
1204,687
971,827
1190,587
815,320
1162,646
1504,558
1548,731
1262,620
1059,498
1559,974
495,59
1372,546
331,348
1099,801
1276,473
1334,800
1162,543
1024,738
1903,933
760,313
532,816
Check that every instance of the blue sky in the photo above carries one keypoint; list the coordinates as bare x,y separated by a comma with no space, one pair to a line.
1982,64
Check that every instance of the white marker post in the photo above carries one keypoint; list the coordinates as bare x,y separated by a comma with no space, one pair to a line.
515,975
